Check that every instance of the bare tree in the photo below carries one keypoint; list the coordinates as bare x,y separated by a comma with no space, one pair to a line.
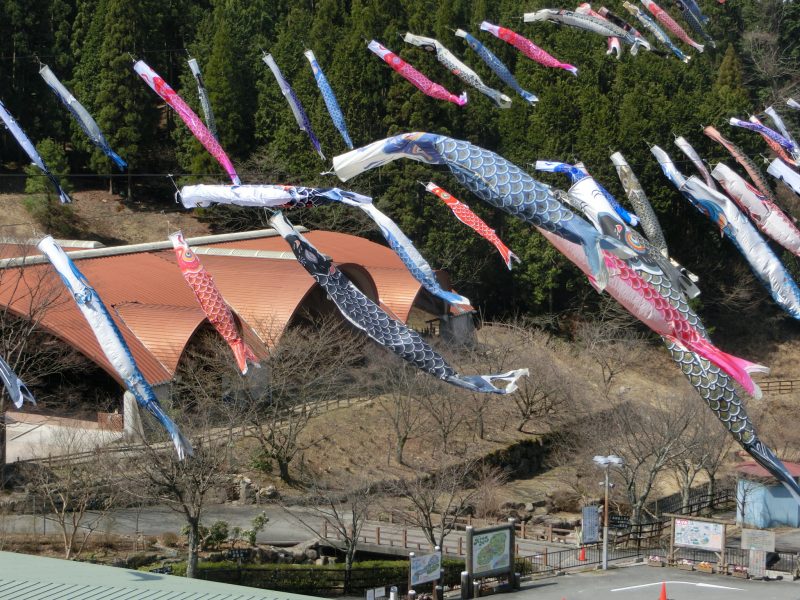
437,500
610,340
309,366
209,415
400,390
544,396
772,61
78,492
649,439
343,505
708,443
443,407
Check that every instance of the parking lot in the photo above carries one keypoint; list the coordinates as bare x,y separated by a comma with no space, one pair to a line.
644,583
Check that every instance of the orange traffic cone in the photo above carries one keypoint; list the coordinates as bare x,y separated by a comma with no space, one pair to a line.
663,595
582,554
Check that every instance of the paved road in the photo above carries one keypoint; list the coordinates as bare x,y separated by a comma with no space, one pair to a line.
644,583
154,520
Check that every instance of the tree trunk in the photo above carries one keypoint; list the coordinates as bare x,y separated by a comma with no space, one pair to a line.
348,565
398,450
194,548
283,469
712,489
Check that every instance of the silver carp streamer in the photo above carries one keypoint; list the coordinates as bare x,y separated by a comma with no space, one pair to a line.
16,389
205,103
458,68
82,116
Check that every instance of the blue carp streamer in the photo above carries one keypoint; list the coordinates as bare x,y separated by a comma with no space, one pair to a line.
30,150
16,389
110,340
496,65
334,110
368,317
82,116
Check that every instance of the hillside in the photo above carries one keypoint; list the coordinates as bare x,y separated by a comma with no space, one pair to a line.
104,217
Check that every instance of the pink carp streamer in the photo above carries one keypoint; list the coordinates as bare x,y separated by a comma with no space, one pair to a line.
464,214
614,45
417,79
755,174
187,115
527,47
211,301
670,23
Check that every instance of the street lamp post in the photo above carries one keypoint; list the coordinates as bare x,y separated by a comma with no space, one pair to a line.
606,462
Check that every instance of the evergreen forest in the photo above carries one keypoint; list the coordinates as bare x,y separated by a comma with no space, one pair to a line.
612,105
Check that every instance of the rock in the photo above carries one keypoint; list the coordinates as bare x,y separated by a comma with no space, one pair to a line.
269,493
511,506
322,560
311,554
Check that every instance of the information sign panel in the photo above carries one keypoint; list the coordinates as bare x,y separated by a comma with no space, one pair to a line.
758,563
425,568
591,524
758,539
699,534
491,551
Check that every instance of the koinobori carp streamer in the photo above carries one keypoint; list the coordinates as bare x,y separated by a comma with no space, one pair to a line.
188,116
110,340
414,77
368,317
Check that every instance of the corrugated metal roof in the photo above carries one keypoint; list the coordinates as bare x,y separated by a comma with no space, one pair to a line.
148,322
756,470
397,289
25,577
157,312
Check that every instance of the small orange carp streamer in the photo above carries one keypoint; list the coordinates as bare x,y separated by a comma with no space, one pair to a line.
464,214
211,301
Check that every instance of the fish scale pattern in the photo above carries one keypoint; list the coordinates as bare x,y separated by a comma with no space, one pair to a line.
499,68
331,103
367,316
645,212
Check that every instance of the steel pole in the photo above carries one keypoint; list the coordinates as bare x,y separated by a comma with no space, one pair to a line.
605,526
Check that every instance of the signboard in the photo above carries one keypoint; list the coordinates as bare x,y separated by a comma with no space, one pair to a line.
758,539
591,524
758,563
618,521
491,551
425,568
376,593
699,534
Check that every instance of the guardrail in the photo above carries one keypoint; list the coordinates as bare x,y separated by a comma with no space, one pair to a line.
779,386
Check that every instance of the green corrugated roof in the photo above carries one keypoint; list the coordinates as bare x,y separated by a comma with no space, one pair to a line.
26,577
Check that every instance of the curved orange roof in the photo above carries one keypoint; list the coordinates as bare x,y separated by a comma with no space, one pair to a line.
156,310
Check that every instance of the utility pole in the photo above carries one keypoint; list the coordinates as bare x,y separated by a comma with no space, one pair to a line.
605,462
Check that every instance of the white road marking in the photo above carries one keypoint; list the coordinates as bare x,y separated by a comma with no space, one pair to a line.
705,585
